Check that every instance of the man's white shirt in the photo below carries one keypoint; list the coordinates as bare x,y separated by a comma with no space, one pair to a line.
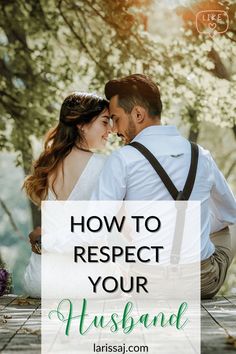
127,175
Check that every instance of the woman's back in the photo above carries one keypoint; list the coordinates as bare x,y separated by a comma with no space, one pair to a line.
76,179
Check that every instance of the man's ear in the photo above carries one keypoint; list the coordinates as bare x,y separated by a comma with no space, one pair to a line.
139,113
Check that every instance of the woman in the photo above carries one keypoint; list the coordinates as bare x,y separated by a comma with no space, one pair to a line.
67,169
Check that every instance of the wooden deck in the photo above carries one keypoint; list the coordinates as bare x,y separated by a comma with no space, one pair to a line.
20,325
218,325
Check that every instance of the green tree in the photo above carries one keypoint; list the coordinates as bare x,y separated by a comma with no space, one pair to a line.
49,47
31,74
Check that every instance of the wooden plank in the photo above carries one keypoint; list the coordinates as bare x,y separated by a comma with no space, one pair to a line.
5,300
223,312
11,339
16,336
27,351
231,299
212,335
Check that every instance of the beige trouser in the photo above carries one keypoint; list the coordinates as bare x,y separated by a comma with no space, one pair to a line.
214,269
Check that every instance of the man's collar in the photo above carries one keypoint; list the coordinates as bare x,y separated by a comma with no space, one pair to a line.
158,130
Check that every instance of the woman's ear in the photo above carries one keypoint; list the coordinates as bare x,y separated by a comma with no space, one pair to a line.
80,127
139,114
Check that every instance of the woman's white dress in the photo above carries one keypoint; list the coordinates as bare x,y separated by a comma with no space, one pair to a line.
81,191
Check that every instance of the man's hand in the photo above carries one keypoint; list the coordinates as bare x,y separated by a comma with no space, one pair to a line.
33,237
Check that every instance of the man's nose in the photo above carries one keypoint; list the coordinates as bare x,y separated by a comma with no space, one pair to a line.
113,127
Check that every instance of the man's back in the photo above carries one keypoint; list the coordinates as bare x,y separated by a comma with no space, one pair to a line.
128,175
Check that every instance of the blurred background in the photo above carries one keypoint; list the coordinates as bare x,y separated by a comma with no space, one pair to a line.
50,48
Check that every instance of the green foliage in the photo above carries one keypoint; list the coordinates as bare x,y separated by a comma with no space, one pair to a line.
52,46
31,74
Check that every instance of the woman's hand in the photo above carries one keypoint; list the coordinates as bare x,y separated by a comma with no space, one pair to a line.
34,237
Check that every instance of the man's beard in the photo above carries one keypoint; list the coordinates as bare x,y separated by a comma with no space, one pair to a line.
130,132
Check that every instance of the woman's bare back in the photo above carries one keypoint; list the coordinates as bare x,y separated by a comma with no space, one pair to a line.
65,178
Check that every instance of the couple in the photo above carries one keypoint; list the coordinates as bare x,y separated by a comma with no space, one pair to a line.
68,170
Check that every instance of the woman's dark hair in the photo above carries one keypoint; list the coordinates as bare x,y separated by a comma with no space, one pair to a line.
136,89
77,108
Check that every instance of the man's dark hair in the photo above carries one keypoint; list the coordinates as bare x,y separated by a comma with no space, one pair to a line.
136,89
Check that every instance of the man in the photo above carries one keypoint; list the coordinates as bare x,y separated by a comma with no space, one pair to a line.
135,109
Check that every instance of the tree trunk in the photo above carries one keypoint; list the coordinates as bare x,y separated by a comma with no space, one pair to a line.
27,158
234,131
36,215
193,134
221,72
194,128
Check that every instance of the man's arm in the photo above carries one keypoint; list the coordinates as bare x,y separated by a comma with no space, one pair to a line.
223,202
112,181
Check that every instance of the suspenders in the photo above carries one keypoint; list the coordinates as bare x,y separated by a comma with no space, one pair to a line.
176,195
187,190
